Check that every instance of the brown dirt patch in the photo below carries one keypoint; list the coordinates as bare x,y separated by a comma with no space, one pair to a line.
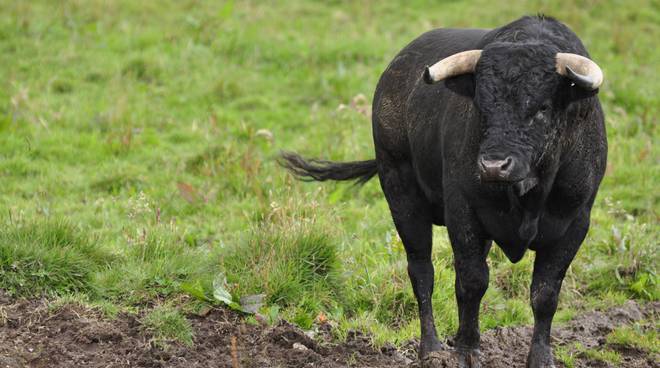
32,335
507,347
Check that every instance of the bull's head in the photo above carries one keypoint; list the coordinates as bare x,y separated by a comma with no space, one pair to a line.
520,93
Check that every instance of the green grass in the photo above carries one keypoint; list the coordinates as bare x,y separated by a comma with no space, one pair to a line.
138,144
568,355
168,324
48,257
640,335
608,356
295,269
565,355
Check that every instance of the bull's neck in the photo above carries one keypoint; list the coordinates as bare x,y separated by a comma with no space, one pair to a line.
532,203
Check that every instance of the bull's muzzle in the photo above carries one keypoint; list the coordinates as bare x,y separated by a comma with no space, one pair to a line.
496,169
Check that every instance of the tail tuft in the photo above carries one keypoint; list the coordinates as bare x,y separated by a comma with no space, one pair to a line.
321,170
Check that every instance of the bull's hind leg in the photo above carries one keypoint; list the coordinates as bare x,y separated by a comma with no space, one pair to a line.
550,266
412,216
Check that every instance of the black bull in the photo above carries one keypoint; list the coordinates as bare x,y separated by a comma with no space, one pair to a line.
509,147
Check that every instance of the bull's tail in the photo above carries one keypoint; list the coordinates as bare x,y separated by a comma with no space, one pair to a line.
321,170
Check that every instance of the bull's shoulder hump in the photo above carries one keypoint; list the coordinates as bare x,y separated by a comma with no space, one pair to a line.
435,44
446,41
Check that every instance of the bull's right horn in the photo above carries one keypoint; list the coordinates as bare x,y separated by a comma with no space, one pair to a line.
457,64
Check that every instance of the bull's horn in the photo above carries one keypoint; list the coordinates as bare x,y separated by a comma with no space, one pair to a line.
584,72
457,64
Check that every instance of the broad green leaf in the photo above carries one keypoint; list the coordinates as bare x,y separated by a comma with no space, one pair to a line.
196,290
220,291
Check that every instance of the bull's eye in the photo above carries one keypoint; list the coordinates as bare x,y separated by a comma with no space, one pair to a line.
541,114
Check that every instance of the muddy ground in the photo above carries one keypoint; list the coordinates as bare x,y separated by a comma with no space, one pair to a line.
32,335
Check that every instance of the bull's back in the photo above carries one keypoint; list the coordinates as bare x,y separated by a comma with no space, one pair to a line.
403,76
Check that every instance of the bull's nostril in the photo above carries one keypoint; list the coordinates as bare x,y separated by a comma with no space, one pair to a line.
482,164
507,164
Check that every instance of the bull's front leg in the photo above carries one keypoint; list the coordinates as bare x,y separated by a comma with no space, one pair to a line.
550,267
470,248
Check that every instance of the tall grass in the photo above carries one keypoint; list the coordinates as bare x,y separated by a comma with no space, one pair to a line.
49,257
297,267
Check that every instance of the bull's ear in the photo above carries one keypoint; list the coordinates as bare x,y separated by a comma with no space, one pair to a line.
569,92
579,92
462,85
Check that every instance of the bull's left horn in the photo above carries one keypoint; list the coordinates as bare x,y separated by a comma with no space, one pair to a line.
581,70
457,64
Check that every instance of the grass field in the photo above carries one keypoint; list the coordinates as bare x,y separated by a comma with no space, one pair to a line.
138,145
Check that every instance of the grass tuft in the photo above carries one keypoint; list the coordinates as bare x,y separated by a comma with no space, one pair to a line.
48,257
167,324
292,266
565,355
609,356
141,70
640,335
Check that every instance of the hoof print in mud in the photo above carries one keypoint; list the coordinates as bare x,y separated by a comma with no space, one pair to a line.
450,359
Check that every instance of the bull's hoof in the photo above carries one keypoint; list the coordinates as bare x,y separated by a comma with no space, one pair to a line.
429,346
540,357
451,359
